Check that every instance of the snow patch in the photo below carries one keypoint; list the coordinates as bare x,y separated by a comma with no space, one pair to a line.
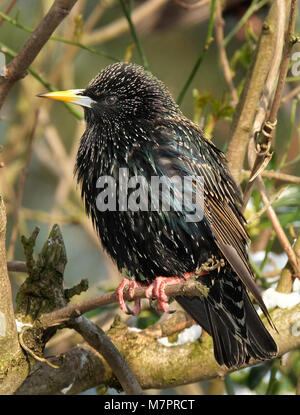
296,286
188,335
2,324
272,298
65,390
20,325
134,329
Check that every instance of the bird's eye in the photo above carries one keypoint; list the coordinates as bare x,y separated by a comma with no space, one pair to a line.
110,99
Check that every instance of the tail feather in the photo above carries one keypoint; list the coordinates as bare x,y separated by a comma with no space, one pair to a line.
229,316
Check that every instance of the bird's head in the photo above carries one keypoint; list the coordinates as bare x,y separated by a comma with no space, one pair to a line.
121,93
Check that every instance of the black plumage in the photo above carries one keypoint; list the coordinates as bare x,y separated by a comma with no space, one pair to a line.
134,123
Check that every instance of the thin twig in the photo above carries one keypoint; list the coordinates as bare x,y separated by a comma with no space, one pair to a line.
285,243
59,317
9,52
7,11
253,8
18,67
266,206
20,190
96,338
275,175
192,6
69,54
285,283
207,43
99,52
16,266
290,95
134,35
219,25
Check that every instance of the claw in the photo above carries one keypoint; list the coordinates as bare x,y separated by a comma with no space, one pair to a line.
128,310
151,303
157,289
149,291
127,283
120,295
171,311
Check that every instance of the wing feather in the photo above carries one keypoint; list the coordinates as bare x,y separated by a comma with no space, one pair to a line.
193,154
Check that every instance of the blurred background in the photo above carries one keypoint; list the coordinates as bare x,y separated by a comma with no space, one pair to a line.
43,137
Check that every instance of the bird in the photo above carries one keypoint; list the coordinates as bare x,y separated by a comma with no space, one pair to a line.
135,129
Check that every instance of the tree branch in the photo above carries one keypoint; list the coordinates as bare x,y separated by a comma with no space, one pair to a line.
219,24
189,6
289,42
265,125
11,375
285,283
148,359
266,206
57,318
255,157
275,175
285,243
291,94
8,10
17,68
96,338
16,266
242,123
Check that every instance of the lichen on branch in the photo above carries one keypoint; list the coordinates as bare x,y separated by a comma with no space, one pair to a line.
43,290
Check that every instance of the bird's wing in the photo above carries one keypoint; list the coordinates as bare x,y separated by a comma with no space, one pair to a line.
192,154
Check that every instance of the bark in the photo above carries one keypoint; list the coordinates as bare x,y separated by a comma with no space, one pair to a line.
154,365
244,115
13,365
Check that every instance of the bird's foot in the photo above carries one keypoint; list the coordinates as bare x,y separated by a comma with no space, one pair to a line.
157,289
131,286
210,265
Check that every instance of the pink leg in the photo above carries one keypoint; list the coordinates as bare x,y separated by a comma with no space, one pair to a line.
157,288
127,283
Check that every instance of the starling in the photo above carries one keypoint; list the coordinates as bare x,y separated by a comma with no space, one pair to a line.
133,125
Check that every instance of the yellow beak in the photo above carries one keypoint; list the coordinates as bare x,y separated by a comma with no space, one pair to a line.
72,95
